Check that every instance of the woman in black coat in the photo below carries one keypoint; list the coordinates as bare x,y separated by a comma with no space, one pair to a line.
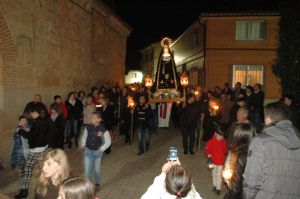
59,123
74,108
108,112
238,158
212,115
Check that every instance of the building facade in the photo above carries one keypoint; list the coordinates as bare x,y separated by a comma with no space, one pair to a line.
188,51
150,56
54,47
241,47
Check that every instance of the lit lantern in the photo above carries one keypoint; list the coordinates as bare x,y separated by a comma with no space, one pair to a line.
196,93
184,79
148,81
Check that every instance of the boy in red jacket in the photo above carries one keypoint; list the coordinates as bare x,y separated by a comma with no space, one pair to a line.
216,150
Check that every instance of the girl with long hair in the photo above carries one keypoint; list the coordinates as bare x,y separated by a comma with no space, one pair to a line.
55,170
242,137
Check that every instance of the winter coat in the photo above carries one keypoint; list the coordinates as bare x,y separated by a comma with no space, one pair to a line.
188,116
108,114
157,190
105,140
58,138
74,111
34,106
258,102
294,115
17,155
208,124
236,181
143,115
273,169
217,148
41,134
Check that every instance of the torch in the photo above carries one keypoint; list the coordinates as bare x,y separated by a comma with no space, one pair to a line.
184,81
131,106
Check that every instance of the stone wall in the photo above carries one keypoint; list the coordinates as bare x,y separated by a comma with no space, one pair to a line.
53,47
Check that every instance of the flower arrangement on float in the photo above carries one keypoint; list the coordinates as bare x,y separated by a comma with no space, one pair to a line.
166,94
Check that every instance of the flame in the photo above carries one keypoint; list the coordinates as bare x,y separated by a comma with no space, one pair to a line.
216,107
130,102
227,174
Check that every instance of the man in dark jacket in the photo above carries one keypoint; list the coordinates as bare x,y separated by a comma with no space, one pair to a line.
143,115
258,105
188,118
273,169
36,104
288,100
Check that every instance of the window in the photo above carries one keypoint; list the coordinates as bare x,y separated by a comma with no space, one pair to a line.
250,30
248,74
195,39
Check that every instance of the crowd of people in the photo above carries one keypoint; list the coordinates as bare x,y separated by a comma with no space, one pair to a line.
257,145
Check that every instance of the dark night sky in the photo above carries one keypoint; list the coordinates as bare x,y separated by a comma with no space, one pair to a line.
152,20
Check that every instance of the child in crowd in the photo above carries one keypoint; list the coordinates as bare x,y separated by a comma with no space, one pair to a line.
143,115
216,150
38,140
77,188
95,140
20,147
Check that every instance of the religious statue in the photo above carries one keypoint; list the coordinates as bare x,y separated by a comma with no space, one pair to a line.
166,85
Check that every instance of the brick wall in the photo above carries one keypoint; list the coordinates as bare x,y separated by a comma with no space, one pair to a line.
222,50
53,47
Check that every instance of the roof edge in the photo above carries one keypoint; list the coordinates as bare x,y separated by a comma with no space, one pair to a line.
242,13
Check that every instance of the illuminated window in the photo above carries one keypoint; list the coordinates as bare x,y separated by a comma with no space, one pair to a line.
250,30
248,74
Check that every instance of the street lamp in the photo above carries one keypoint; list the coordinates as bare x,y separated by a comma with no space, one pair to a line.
184,81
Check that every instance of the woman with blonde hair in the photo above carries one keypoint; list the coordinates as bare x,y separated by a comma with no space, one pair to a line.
77,188
55,169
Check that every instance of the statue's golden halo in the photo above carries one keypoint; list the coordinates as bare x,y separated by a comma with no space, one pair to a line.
166,42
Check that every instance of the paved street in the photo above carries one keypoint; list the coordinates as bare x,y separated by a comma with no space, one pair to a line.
126,175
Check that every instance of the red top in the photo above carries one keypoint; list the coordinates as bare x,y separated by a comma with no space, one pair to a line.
64,110
217,148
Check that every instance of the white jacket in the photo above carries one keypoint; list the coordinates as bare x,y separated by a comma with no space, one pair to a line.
157,190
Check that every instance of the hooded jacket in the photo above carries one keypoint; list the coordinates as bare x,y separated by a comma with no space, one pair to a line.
273,164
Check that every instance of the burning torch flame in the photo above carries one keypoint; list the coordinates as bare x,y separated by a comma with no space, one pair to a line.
227,174
216,107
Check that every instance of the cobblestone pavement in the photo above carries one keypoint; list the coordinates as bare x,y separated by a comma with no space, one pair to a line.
126,175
